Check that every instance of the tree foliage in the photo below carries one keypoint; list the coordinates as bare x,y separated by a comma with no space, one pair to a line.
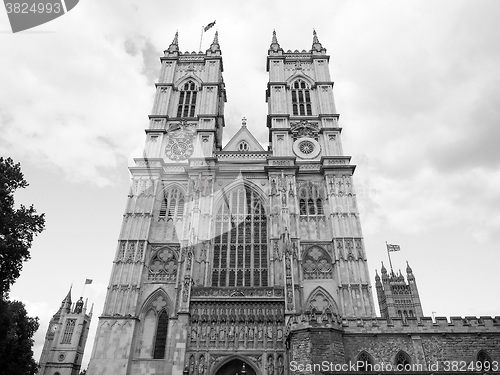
18,226
16,342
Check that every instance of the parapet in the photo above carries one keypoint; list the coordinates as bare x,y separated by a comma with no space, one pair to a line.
377,325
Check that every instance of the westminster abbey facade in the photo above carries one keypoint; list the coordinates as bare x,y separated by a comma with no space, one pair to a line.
234,259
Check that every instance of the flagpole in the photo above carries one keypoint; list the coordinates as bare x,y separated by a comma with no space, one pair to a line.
83,289
389,255
201,37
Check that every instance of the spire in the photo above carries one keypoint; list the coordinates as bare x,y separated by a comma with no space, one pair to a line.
409,273
316,46
275,46
66,302
174,46
215,44
408,268
377,277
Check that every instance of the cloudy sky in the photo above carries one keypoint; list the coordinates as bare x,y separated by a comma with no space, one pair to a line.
416,84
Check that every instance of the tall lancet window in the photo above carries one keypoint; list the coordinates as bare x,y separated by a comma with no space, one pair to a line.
240,246
172,205
301,99
187,100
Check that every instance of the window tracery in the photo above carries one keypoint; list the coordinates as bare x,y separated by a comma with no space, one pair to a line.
172,205
310,200
163,265
301,98
365,360
154,330
402,359
187,100
240,246
317,264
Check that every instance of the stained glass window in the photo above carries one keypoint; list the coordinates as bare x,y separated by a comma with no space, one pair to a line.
240,246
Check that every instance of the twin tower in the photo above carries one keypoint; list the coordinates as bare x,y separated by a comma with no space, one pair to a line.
236,258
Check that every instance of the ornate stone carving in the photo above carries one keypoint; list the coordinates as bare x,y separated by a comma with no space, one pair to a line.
317,264
304,129
163,265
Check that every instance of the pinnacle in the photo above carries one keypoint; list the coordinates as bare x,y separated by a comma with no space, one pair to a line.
275,39
175,42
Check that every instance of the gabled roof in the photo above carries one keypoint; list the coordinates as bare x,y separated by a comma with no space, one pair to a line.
243,135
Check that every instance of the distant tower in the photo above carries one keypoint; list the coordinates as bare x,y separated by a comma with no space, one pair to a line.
65,339
396,297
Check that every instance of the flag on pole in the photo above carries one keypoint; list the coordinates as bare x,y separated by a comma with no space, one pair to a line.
393,247
88,281
210,25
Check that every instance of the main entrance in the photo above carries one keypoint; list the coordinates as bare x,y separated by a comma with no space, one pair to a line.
236,367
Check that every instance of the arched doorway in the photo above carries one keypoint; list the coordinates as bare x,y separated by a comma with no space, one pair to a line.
236,367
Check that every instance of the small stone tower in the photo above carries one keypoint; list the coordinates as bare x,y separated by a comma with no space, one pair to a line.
396,297
65,339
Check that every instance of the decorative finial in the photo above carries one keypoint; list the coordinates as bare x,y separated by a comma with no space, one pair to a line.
275,39
174,46
215,44
315,37
316,46
275,46
244,122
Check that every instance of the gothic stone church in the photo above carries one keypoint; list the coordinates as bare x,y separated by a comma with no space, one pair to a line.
233,259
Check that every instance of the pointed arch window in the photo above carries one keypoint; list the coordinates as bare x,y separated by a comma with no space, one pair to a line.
310,200
402,360
484,358
364,362
187,100
161,336
172,204
240,245
68,331
301,98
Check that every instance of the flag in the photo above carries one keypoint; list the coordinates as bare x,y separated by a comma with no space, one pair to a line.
210,25
88,281
393,247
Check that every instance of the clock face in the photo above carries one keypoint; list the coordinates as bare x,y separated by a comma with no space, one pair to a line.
180,145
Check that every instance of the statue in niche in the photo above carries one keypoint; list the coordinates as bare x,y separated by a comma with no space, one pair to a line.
269,333
194,333
250,333
273,187
191,364
260,333
279,335
242,333
231,332
201,366
222,334
270,365
281,365
213,332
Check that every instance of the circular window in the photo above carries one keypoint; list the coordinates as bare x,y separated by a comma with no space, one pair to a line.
306,148
61,357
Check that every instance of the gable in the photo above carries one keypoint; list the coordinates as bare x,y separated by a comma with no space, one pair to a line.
242,137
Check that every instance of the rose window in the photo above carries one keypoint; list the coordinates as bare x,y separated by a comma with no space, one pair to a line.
306,147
